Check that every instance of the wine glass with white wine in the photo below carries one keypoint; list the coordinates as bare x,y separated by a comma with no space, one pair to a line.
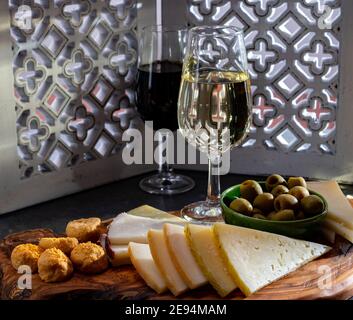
214,106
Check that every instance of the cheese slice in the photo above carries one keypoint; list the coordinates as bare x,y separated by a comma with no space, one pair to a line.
162,258
329,234
182,256
119,255
339,229
256,258
144,264
207,254
339,208
127,228
147,211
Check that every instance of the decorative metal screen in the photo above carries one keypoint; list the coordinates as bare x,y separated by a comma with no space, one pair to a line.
74,64
293,52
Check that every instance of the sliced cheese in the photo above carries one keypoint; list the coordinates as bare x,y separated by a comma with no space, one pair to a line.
182,256
339,208
329,234
144,264
119,255
163,260
207,254
256,258
339,229
127,228
147,211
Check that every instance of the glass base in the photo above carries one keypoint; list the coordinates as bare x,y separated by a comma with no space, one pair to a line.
202,212
167,184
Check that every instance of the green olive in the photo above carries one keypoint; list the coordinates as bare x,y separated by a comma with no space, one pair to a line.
257,211
274,181
286,201
284,215
296,181
312,205
250,189
264,202
259,216
281,189
242,206
299,192
300,215
270,216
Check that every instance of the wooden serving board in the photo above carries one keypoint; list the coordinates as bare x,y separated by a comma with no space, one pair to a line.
124,282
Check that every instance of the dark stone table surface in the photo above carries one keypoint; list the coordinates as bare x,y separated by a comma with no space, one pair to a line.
106,202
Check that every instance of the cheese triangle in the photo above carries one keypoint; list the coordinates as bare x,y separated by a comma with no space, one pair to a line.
163,260
147,211
127,228
119,255
182,256
256,258
339,208
207,254
144,264
339,229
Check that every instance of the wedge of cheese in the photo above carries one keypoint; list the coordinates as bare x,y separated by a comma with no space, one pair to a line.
162,258
127,228
256,259
339,229
182,256
119,255
147,211
339,208
208,255
144,264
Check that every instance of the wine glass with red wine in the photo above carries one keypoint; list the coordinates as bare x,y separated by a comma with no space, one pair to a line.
158,82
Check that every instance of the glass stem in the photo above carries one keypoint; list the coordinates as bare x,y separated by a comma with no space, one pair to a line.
164,168
214,186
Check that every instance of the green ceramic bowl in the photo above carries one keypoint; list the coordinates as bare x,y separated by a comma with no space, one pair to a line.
296,229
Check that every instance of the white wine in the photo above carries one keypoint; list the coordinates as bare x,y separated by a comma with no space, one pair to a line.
214,109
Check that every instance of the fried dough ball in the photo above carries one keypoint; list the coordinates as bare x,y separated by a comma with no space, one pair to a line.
26,254
84,229
54,266
64,244
89,258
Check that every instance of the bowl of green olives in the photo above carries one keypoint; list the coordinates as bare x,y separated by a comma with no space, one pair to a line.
276,205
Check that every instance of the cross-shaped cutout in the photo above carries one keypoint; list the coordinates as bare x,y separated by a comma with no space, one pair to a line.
121,7
262,6
316,113
123,58
209,53
81,123
33,134
206,5
78,67
75,10
30,76
318,58
261,56
262,110
320,5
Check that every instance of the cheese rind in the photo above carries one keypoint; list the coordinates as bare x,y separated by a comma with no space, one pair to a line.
207,254
163,260
182,256
340,229
127,228
339,208
144,264
256,258
119,255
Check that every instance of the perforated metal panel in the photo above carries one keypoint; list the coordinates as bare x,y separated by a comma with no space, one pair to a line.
73,72
298,53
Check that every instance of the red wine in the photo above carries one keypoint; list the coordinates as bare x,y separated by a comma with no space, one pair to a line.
157,93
